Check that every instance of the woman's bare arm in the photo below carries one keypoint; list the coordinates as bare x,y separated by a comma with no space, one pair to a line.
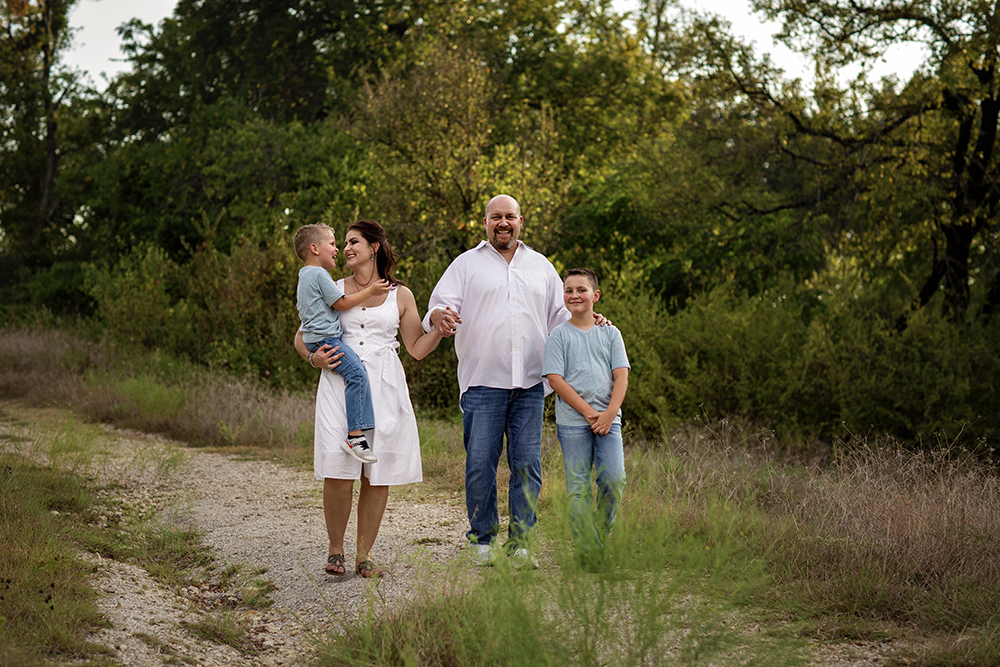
418,343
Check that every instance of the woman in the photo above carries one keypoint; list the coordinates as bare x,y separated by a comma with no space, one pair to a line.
370,329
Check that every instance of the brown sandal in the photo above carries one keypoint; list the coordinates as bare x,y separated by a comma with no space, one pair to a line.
336,564
368,570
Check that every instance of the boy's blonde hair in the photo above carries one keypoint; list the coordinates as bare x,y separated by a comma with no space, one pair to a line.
586,273
306,235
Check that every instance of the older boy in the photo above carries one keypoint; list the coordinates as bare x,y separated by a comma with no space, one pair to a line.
319,300
587,367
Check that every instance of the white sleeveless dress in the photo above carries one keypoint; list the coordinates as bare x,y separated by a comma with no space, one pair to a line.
371,332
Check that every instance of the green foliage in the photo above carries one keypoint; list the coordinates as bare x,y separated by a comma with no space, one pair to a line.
657,149
282,61
135,298
233,311
804,362
224,182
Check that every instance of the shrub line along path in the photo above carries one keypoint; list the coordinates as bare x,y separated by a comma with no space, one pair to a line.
265,520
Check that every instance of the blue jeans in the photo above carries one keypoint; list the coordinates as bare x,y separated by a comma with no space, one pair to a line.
585,451
357,392
488,415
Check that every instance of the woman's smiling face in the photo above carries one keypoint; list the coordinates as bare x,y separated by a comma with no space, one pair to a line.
357,250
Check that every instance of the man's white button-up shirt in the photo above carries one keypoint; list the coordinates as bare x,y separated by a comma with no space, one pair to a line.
507,312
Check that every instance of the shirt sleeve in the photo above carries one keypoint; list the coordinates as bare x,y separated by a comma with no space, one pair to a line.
554,359
557,309
448,293
619,358
329,289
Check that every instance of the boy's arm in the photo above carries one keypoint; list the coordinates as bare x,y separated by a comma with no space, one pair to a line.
349,301
607,418
568,394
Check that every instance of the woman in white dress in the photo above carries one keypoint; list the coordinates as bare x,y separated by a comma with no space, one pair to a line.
370,329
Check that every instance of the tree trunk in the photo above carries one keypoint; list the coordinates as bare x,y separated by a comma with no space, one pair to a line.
45,206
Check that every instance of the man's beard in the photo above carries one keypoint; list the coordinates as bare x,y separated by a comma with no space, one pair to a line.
504,245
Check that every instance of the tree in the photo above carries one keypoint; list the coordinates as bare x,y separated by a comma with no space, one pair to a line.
278,60
940,129
539,99
51,132
33,90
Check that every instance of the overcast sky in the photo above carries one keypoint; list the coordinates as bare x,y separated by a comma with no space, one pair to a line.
97,47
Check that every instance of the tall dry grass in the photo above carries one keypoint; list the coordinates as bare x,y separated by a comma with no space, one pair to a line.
151,392
877,531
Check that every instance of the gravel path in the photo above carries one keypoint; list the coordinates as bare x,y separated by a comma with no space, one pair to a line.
264,521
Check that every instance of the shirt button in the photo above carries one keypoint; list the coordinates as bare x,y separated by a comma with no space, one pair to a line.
362,326
364,308
361,343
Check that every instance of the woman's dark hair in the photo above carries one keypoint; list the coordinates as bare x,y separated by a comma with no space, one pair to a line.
385,256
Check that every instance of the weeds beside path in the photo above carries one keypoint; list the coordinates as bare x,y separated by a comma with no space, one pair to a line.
262,596
265,591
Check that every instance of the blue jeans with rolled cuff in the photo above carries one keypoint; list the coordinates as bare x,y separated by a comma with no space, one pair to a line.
489,415
357,391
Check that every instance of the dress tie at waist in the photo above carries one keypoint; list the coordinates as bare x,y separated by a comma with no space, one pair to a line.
382,352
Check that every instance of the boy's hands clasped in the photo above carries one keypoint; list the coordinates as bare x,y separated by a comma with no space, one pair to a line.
601,422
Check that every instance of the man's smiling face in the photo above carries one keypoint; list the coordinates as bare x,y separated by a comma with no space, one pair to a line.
503,223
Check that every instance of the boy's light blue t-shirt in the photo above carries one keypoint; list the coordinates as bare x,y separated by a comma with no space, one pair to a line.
585,359
316,293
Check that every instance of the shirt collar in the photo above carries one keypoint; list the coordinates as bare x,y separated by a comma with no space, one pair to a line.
485,242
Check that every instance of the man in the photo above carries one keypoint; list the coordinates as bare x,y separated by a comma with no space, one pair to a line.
507,298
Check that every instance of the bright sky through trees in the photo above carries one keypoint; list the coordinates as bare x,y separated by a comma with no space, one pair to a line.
97,46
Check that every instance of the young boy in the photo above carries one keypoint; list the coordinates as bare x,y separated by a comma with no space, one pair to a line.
319,299
587,367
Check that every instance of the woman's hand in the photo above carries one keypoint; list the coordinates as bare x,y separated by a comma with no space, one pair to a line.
326,357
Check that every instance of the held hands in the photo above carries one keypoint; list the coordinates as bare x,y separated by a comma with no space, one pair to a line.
446,321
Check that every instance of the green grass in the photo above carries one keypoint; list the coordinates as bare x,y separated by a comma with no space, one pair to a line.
46,606
51,507
222,628
643,611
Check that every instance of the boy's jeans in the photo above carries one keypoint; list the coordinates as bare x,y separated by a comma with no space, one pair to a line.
583,451
357,392
488,415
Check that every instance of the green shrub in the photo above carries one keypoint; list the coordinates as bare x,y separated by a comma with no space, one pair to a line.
139,299
810,367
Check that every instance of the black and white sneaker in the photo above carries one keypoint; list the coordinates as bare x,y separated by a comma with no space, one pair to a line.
357,446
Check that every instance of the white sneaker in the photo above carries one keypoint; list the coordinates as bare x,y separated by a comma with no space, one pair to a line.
360,451
482,555
522,558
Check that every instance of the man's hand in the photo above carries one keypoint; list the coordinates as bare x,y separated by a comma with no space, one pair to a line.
446,321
